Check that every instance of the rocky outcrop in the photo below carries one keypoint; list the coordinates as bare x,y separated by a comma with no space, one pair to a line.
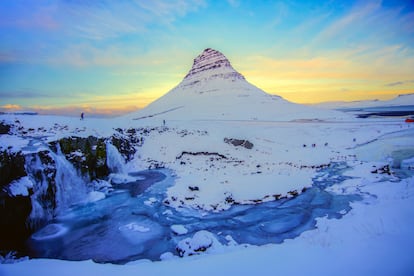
4,128
88,155
210,64
126,141
11,167
239,143
14,210
204,153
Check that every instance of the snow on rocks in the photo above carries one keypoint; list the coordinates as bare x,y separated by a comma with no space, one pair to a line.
212,175
179,229
150,201
20,186
202,241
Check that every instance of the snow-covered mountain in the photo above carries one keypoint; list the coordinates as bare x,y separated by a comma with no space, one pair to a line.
214,90
400,100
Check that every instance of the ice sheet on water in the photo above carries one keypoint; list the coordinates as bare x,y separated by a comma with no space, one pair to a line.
283,224
50,231
95,196
122,178
140,231
134,227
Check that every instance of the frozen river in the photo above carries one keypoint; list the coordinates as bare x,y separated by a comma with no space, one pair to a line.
133,223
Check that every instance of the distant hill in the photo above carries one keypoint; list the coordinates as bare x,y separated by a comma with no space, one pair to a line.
400,100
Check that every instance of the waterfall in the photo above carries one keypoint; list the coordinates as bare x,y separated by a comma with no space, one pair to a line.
114,159
70,187
57,186
41,212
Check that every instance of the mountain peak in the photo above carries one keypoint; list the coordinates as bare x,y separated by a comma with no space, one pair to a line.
213,90
211,64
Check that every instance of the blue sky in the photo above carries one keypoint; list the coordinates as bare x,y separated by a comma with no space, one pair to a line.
111,57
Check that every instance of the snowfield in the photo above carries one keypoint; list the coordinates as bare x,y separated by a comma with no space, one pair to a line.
374,238
280,150
282,161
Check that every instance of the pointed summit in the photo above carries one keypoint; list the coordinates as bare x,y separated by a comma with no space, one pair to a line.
213,90
212,64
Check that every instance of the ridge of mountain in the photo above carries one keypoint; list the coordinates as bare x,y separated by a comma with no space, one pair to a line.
400,100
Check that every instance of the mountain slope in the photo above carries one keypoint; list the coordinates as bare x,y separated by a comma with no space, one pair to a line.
400,100
213,90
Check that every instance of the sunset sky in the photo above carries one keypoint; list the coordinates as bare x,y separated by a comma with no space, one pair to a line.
110,57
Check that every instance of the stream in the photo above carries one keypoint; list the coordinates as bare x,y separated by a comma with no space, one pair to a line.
132,223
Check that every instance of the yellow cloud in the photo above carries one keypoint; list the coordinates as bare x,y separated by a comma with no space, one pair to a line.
11,107
337,76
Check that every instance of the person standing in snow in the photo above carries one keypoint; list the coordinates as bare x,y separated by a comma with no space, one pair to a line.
82,115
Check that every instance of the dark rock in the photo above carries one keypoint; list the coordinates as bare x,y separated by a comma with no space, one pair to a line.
293,193
238,142
4,128
383,170
229,200
218,155
88,155
125,145
11,167
14,210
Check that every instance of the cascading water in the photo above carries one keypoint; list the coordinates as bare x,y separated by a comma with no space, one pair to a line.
57,185
40,211
70,187
114,159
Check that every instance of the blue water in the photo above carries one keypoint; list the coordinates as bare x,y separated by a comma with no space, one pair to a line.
132,223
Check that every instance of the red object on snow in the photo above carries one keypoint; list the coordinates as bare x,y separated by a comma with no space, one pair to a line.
409,120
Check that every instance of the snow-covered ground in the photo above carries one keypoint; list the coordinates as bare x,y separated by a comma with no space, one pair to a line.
283,159
374,238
